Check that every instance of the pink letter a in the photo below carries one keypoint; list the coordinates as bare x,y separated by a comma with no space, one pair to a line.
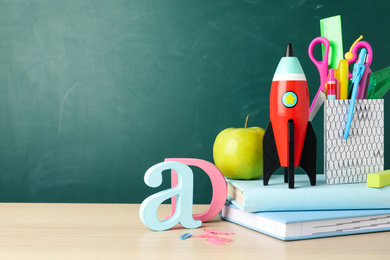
217,181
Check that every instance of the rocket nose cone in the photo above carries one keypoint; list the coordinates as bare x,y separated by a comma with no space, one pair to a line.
289,50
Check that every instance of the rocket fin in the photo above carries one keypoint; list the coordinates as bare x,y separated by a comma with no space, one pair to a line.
270,154
309,154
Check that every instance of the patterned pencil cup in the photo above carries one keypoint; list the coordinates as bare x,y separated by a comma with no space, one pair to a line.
349,161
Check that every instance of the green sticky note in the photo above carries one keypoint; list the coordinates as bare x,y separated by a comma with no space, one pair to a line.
331,29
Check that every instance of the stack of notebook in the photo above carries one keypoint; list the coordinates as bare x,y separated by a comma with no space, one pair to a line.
307,211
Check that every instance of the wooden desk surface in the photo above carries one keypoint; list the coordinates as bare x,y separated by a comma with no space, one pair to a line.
115,231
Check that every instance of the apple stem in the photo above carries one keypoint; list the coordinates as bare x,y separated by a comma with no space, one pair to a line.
246,121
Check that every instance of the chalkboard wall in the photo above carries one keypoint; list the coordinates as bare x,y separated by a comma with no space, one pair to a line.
94,92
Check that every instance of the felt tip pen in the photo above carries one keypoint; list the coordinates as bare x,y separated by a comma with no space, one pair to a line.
332,85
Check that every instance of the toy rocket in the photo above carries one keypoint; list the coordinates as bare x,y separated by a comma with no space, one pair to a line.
289,140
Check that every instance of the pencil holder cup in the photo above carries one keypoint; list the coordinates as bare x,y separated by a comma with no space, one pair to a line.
350,160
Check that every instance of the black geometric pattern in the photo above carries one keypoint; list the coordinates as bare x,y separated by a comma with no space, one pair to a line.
349,161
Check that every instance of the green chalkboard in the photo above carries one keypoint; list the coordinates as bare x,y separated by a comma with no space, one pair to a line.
94,92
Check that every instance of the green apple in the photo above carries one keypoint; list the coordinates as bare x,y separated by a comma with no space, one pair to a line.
238,152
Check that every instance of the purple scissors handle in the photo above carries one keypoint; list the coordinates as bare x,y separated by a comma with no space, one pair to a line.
322,67
355,48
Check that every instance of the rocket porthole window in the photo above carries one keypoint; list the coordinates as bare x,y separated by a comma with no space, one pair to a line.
289,99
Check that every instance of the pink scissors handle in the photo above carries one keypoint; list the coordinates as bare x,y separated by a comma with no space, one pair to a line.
322,66
356,47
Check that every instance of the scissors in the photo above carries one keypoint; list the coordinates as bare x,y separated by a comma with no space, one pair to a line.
322,67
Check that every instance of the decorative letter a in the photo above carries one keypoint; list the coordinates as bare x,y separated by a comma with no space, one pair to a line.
183,191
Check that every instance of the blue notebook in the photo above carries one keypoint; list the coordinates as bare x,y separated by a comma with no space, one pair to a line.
298,225
253,196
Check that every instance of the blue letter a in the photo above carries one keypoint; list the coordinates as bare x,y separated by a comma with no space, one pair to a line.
183,191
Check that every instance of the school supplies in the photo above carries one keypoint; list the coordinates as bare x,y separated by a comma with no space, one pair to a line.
358,71
298,225
212,236
379,83
378,179
342,76
322,67
332,86
331,30
349,55
349,161
365,81
352,54
185,236
251,196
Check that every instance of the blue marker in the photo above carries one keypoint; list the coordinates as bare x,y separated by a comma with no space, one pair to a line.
358,70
